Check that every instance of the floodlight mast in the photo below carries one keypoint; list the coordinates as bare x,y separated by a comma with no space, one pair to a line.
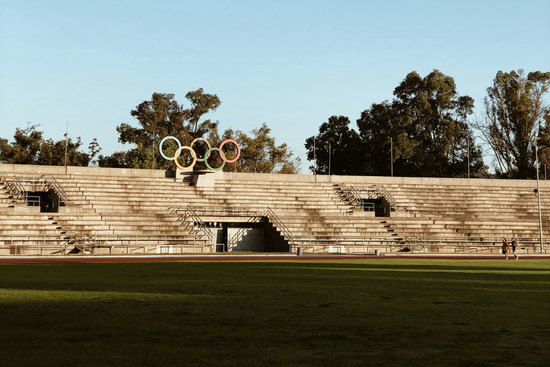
468,157
391,156
329,157
538,190
66,142
314,156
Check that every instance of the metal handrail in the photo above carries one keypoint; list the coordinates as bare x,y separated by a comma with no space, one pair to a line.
97,238
311,245
33,200
523,242
16,188
195,222
356,198
268,213
372,192
280,225
60,244
353,194
223,210
51,182
201,225
354,241
388,197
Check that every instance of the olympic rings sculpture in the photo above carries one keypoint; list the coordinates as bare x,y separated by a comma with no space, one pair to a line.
194,154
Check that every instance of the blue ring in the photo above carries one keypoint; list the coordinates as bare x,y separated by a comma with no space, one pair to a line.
162,142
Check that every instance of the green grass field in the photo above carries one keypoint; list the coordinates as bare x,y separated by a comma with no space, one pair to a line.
303,313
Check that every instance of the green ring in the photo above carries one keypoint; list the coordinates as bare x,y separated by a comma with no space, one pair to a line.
207,154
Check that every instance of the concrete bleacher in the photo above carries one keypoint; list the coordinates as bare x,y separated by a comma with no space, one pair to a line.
19,222
477,211
139,211
313,212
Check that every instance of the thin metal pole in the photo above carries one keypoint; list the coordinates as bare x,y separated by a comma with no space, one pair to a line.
314,157
66,142
468,157
538,193
391,155
154,147
329,156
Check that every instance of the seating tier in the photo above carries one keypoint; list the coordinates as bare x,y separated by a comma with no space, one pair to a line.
103,206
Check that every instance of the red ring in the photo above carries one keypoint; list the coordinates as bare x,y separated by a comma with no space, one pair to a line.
236,146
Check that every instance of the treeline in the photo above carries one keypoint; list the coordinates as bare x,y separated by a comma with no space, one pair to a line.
157,118
30,147
428,129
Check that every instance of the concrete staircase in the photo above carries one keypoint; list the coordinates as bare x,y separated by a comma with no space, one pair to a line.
314,213
20,222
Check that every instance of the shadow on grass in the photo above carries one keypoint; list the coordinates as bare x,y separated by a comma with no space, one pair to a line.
235,277
268,313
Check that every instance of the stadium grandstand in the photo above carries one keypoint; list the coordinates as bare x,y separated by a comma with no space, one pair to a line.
46,210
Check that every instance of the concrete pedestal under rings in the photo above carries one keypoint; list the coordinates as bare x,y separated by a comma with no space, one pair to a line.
236,146
162,142
207,143
178,153
208,155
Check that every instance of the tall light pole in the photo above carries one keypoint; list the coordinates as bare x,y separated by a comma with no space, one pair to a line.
391,156
538,189
329,154
66,142
314,157
154,147
468,157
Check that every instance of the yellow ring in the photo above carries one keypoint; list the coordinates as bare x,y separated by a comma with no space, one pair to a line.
193,154
194,141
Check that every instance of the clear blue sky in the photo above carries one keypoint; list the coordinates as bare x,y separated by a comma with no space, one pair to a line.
291,64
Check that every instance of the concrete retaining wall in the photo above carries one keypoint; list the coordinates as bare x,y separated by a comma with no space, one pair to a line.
21,169
12,169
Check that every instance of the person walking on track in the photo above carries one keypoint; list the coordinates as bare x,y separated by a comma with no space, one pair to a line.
505,248
514,245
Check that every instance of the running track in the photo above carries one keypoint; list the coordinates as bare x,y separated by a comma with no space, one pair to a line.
161,258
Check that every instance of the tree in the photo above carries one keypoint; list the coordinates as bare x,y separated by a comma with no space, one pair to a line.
118,159
201,104
94,150
425,127
514,110
30,147
160,117
345,148
53,153
260,153
26,146
435,119
380,132
427,123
